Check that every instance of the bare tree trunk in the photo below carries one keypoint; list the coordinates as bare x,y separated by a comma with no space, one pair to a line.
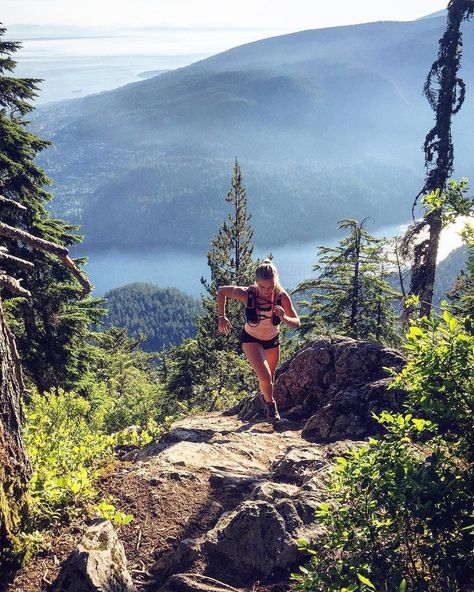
15,469
427,288
445,91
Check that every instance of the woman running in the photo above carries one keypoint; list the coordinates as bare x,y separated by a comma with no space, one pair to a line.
267,305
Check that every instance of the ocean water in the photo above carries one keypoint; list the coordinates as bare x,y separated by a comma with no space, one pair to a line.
75,63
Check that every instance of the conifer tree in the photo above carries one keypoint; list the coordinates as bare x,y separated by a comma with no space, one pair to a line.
52,326
22,209
209,371
230,262
351,294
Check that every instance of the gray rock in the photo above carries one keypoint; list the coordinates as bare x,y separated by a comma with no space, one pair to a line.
349,414
176,560
98,564
337,383
250,542
287,511
195,583
271,492
299,463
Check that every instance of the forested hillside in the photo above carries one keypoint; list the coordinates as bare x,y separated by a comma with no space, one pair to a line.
327,124
164,316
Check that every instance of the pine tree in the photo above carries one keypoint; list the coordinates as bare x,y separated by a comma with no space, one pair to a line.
209,371
230,262
351,294
52,326
22,209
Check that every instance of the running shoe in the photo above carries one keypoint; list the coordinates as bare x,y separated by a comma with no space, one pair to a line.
272,411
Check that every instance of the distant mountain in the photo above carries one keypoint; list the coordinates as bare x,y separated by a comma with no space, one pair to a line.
164,315
443,12
326,123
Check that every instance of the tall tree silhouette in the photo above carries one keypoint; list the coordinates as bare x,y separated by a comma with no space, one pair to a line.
445,91
23,232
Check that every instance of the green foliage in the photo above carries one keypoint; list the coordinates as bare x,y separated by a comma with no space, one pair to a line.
123,382
108,511
462,295
66,445
451,203
68,442
401,514
351,295
165,316
195,383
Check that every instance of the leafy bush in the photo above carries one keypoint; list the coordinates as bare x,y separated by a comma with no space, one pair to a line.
66,446
401,516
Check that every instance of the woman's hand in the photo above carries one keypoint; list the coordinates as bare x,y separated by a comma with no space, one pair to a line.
224,325
278,310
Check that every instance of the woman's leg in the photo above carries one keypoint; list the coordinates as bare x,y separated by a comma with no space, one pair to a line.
272,356
256,357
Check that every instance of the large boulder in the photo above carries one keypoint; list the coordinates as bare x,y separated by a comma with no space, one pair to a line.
98,564
337,383
253,541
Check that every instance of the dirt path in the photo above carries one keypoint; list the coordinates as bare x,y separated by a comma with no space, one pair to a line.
176,490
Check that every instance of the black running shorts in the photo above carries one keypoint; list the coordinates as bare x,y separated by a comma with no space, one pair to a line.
265,343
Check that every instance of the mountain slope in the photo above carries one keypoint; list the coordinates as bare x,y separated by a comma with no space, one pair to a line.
327,124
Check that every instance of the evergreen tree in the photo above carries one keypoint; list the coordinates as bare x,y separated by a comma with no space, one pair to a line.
351,294
230,261
52,326
209,372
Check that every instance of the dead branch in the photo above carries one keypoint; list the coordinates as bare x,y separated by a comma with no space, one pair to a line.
76,272
49,247
32,241
16,260
13,285
12,203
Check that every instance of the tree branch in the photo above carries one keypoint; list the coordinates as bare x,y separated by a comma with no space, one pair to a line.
49,247
32,241
12,203
4,256
13,285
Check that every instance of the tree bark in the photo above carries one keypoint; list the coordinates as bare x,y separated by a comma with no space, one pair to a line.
15,469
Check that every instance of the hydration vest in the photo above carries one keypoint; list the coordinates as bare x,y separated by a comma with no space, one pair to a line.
251,311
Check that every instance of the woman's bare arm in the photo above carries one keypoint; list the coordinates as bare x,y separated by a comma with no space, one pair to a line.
224,292
235,292
287,312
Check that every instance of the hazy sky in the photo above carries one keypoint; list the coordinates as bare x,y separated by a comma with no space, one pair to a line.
267,15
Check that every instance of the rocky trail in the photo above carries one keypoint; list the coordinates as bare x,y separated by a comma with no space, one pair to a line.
220,501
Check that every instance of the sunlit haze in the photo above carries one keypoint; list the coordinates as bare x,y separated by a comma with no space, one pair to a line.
271,16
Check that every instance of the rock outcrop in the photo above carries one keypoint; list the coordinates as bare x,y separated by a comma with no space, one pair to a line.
97,565
335,384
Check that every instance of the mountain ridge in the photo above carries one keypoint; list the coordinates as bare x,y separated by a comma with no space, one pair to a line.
331,129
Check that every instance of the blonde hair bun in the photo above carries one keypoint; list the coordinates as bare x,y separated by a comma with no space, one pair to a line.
267,270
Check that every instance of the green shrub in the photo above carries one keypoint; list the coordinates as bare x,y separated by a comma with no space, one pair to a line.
66,445
401,516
